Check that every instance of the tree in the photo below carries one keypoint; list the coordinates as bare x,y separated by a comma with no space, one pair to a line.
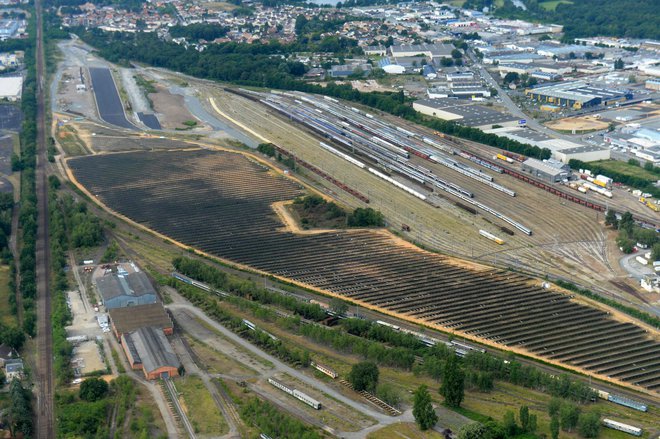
456,54
619,64
13,337
553,407
509,423
554,427
338,306
489,430
568,416
626,223
423,411
511,77
93,389
589,424
364,376
453,382
388,393
533,423
524,418
610,218
655,252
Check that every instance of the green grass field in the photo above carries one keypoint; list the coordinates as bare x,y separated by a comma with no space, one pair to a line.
6,316
625,168
552,4
200,407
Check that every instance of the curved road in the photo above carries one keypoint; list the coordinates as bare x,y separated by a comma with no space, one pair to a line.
279,366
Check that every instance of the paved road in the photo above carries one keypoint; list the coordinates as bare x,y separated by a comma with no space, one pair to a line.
509,104
284,368
634,268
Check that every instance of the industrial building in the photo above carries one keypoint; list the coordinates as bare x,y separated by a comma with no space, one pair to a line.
126,320
576,94
563,150
121,288
463,112
147,349
428,50
11,88
374,50
550,170
345,70
8,28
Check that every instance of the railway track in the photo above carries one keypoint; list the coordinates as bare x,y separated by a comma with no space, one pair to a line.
373,400
45,408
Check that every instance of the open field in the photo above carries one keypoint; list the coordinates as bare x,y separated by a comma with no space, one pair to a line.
578,124
6,316
625,168
170,108
67,137
179,194
200,407
404,431
215,361
552,4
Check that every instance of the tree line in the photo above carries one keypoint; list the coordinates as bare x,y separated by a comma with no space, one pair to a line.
270,65
374,342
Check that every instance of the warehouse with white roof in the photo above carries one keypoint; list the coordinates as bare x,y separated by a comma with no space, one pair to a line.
11,88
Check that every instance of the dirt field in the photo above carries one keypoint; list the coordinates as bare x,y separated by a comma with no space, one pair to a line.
172,112
86,357
578,124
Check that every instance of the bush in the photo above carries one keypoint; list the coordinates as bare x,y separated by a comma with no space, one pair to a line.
93,389
364,376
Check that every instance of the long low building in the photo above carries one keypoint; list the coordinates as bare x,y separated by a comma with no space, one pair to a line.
148,349
551,171
577,94
121,288
132,318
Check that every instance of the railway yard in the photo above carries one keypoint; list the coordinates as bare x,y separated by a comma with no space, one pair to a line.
568,241
178,194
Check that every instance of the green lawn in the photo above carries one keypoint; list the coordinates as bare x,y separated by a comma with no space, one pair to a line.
552,4
6,316
625,168
200,407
